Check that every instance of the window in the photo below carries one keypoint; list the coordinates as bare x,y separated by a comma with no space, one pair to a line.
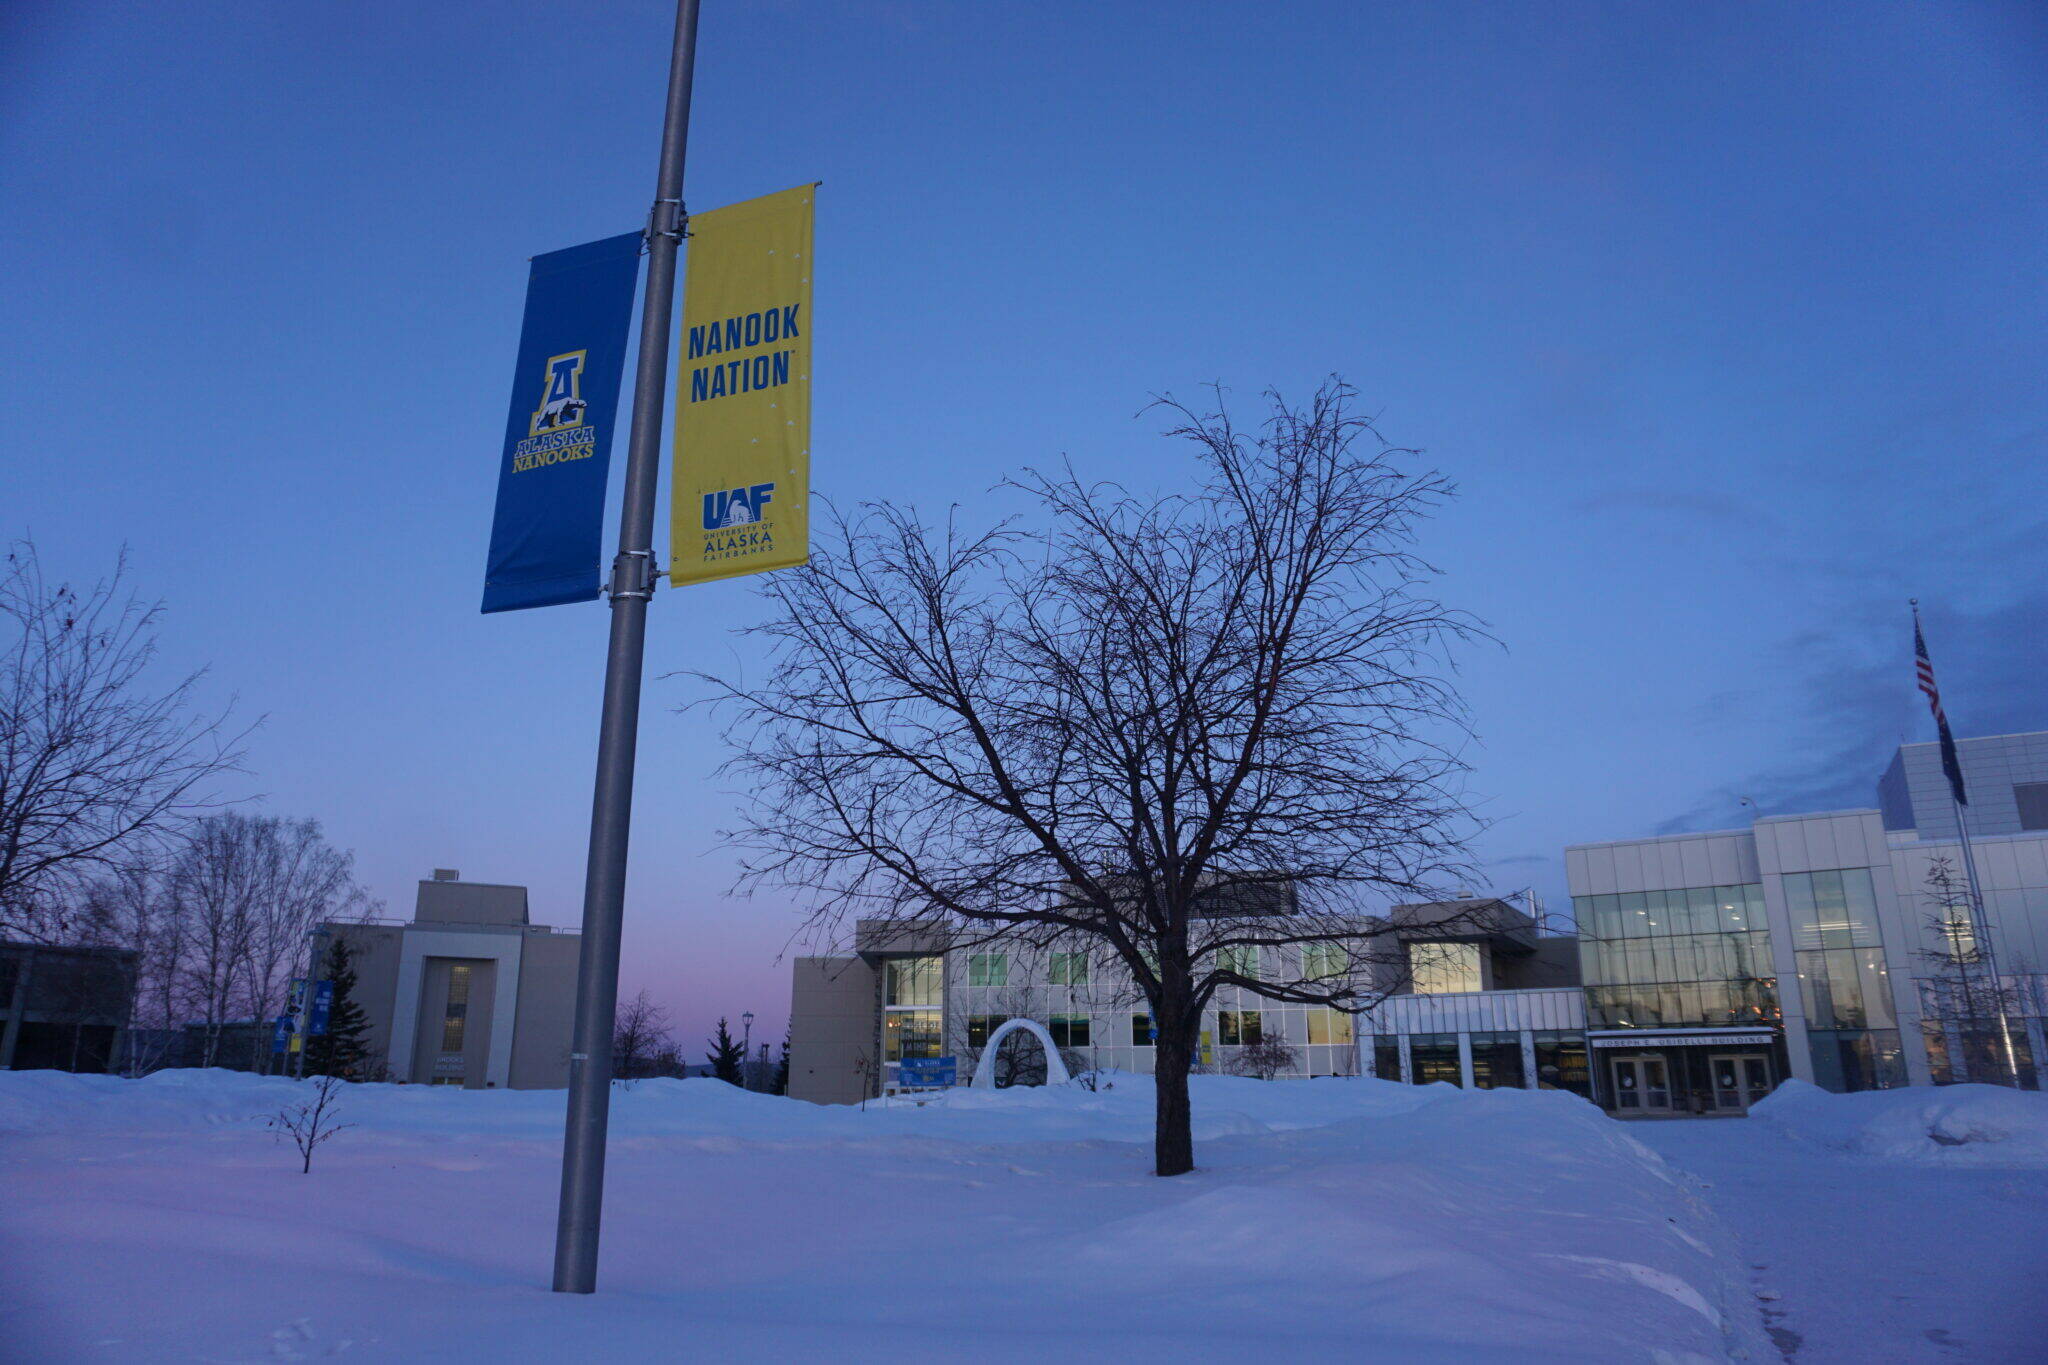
1443,968
456,1017
1561,1062
1242,960
1329,1026
913,981
1239,1028
2032,799
1497,1061
1142,1032
1434,1057
910,1033
1681,958
1069,1030
1832,909
1857,1059
1321,961
980,1026
988,969
1386,1056
1069,969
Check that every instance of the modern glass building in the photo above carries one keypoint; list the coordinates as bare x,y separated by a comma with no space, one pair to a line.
1836,947
1840,948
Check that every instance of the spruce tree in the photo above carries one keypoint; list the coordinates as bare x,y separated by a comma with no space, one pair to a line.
725,1055
340,1051
782,1071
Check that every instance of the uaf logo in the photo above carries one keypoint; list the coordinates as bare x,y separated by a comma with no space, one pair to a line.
561,395
738,507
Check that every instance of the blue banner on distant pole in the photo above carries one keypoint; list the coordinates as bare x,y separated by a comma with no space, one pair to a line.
323,1005
546,539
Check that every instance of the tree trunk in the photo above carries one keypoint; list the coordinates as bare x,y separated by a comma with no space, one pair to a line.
1173,1137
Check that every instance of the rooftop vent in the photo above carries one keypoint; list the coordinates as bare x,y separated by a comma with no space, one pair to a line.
447,874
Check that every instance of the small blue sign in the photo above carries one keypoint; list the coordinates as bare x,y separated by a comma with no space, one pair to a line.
282,1038
928,1073
323,1002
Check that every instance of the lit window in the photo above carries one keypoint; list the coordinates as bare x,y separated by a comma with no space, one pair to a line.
910,1033
456,1017
1329,1026
1142,1031
1443,968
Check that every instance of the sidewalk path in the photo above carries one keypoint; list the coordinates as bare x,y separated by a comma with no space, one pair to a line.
1858,1262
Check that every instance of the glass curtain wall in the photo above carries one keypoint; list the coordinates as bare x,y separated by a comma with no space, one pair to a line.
1497,1061
1561,1063
911,994
1434,1057
1844,980
1691,958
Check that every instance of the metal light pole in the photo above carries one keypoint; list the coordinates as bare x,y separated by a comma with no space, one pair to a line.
611,811
746,1049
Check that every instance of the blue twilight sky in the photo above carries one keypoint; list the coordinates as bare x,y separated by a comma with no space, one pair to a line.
1729,320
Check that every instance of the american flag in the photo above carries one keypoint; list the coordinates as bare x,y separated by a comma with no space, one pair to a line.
1924,666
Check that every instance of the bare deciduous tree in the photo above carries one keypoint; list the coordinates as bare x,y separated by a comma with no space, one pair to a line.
642,1041
1175,728
98,765
311,1122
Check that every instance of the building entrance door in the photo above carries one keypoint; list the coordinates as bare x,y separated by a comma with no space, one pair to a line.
1641,1086
1739,1081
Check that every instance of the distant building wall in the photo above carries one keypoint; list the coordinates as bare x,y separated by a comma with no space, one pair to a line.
832,1023
521,980
64,1008
546,1017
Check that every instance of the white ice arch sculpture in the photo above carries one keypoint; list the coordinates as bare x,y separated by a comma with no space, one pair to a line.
985,1069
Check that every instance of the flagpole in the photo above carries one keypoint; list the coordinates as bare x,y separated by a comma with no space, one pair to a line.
1980,924
611,810
1980,918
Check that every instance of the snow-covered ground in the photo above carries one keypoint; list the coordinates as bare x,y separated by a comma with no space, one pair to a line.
1904,1225
155,1220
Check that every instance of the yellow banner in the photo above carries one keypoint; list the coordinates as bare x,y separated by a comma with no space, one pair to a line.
742,479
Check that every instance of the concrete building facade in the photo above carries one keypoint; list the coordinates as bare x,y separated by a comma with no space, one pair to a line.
907,992
469,992
64,1008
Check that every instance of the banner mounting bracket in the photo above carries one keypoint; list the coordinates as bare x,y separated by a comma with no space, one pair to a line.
667,219
633,575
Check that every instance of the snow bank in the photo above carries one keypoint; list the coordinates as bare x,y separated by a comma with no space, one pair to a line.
154,1220
1953,1125
1224,1106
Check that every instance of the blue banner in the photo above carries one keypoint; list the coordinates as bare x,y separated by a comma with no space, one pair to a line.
323,1005
546,539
